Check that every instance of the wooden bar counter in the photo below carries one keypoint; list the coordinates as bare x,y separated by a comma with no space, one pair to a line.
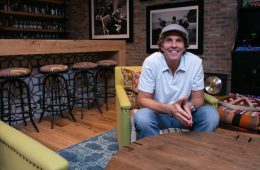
35,47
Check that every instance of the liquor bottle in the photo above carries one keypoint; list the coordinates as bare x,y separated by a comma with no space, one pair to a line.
10,21
52,10
47,9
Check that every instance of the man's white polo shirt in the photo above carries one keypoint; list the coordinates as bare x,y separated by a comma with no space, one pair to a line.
157,78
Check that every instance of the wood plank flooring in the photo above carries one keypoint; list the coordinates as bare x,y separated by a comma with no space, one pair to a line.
67,132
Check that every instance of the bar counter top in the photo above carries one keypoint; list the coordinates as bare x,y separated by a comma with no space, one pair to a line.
11,47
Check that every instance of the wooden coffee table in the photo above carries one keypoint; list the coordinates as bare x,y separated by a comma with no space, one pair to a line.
190,150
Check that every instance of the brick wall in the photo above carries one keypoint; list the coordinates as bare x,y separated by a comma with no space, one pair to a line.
219,31
77,13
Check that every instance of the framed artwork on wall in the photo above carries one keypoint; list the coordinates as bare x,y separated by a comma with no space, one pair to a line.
111,19
188,14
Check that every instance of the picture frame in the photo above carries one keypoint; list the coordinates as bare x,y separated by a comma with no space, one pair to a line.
111,19
189,14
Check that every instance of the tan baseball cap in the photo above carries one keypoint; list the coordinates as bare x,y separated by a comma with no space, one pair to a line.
177,28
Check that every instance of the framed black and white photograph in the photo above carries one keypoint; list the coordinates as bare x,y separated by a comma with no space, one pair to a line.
111,19
188,14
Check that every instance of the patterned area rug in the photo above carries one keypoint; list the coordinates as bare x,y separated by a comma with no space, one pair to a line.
92,154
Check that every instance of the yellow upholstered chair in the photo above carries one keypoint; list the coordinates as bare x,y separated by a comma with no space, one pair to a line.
18,151
123,106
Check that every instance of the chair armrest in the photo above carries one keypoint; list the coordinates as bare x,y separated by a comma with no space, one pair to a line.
26,152
123,100
211,100
123,106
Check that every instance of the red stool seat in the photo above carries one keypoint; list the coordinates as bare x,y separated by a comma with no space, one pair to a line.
103,63
84,65
54,68
14,72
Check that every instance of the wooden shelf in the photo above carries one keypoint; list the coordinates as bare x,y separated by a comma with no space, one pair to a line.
51,1
18,13
31,30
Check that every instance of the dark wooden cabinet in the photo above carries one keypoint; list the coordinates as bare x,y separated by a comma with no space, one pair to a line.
32,19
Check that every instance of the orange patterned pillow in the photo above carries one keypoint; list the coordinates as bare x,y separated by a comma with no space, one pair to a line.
135,82
132,96
131,79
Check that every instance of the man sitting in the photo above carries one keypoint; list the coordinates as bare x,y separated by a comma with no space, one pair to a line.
168,79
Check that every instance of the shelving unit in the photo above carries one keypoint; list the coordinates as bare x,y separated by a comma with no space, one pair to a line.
32,19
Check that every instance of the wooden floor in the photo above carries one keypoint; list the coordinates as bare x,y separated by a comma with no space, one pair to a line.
66,132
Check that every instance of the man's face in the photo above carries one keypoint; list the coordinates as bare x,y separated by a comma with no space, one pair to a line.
173,46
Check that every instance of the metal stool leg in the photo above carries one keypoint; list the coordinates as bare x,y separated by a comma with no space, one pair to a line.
96,96
29,106
104,73
68,98
53,99
105,89
43,99
9,103
20,86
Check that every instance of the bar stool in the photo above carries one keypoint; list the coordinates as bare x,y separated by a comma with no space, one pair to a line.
84,85
15,96
55,91
104,74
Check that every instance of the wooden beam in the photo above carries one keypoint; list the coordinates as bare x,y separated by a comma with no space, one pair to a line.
33,47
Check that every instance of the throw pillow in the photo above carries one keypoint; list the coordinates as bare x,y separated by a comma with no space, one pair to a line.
135,82
239,102
131,79
132,96
128,78
245,119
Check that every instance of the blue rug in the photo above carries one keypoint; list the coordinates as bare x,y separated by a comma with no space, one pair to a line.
92,154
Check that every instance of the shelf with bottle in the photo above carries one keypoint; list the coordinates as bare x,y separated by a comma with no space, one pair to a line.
22,18
12,23
31,35
60,2
19,13
33,8
31,30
